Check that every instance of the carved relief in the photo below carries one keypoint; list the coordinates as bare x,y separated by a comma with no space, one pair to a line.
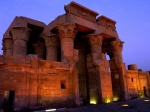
103,65
82,14
51,40
95,40
14,60
75,57
67,30
107,23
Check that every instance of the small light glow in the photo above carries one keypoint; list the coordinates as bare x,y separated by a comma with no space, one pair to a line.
115,99
92,102
125,105
107,100
50,110
142,96
146,100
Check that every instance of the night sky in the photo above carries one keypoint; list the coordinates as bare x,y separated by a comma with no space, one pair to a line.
132,17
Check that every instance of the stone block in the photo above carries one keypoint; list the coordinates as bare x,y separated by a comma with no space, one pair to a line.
132,67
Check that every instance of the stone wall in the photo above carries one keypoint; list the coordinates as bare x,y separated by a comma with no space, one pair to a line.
143,81
38,82
137,82
132,83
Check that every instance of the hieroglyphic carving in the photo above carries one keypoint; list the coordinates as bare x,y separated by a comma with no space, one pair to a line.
81,11
103,65
59,65
75,59
108,25
14,60
82,14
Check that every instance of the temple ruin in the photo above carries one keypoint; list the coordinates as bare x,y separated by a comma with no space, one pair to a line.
64,63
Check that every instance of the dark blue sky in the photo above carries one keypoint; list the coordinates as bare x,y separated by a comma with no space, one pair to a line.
132,17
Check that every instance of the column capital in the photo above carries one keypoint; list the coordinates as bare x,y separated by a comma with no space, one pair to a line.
21,33
95,39
117,45
51,40
67,30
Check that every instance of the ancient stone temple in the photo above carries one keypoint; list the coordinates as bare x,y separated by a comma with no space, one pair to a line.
64,63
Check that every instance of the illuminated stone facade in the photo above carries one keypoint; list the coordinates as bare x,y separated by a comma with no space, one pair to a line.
64,63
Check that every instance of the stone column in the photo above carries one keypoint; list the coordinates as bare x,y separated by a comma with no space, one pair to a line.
51,43
8,46
20,37
95,42
81,66
100,88
39,49
120,88
116,47
67,33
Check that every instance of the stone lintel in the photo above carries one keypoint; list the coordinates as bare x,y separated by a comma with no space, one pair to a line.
107,23
133,72
33,22
81,11
78,6
132,67
102,18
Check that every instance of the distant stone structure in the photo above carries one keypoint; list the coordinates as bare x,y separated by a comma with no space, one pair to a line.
64,64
